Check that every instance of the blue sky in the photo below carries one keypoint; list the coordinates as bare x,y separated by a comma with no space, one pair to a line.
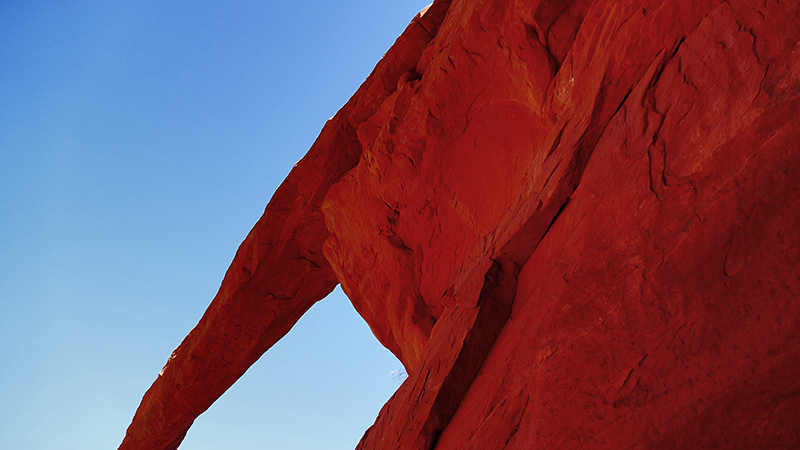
139,143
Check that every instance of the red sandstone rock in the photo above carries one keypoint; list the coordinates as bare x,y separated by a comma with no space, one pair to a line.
573,221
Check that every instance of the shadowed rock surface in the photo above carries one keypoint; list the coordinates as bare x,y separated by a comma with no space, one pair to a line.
574,222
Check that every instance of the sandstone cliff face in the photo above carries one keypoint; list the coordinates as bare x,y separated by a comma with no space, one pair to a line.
573,221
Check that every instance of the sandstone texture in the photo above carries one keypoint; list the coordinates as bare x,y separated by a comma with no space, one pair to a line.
574,221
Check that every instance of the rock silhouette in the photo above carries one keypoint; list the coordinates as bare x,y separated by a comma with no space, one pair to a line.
574,222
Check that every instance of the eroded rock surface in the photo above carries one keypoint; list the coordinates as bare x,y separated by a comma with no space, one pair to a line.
573,221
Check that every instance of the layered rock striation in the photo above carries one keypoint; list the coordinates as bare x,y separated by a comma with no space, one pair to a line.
574,222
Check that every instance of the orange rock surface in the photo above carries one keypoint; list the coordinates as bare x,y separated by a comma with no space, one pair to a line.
575,223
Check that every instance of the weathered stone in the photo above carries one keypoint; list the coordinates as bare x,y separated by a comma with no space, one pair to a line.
573,221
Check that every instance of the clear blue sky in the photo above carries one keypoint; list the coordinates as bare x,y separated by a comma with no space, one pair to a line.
139,143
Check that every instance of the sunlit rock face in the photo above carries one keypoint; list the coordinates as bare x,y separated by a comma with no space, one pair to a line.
575,222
